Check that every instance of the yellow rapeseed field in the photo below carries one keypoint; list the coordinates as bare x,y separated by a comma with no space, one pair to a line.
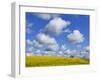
36,61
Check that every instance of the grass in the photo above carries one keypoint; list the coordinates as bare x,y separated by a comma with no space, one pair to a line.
36,61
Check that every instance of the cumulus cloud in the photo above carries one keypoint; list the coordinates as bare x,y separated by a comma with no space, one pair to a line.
63,47
47,16
33,45
56,25
46,39
60,53
53,47
38,51
76,37
29,54
76,53
84,54
87,48
30,49
28,27
28,30
67,31
29,24
72,52
68,51
37,44
29,42
49,53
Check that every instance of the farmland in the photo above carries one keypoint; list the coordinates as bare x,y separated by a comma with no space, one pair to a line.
36,61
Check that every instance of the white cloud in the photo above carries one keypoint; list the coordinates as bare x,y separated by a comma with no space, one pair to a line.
63,47
29,24
68,51
49,53
28,27
46,39
76,37
84,54
47,16
38,51
71,52
87,48
30,49
60,53
29,42
37,44
28,30
54,47
56,25
67,31
44,16
29,54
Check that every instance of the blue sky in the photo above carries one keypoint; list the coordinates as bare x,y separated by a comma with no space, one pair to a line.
73,34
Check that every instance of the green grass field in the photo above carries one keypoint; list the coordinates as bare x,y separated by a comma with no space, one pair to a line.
36,61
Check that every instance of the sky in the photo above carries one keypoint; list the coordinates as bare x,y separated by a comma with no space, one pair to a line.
56,33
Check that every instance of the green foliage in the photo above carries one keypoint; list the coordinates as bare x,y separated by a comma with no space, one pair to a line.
36,61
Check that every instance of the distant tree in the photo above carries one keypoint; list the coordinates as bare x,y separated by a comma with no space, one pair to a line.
72,56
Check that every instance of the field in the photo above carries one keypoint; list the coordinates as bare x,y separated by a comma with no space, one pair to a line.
36,61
